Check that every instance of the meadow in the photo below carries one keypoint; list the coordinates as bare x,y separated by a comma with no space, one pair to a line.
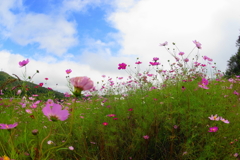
188,112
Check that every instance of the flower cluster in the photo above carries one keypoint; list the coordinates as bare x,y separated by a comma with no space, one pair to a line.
155,63
216,118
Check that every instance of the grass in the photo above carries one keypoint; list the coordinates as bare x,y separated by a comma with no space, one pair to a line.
147,120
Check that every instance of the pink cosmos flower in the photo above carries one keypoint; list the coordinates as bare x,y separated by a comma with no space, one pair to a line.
54,112
236,93
68,71
214,118
46,79
235,155
122,66
29,111
40,84
155,59
213,129
163,44
198,45
66,94
111,115
224,120
186,60
181,53
154,63
138,62
105,123
83,83
19,92
175,127
71,148
8,126
80,84
146,137
23,63
204,84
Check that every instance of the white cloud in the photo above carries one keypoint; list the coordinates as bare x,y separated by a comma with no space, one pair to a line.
52,32
150,22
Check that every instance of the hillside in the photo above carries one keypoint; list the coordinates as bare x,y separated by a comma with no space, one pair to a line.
10,84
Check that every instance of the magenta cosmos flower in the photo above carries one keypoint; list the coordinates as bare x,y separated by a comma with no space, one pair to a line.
8,126
23,63
55,112
213,129
122,66
68,71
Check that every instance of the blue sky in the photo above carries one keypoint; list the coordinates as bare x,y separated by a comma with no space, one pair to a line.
92,37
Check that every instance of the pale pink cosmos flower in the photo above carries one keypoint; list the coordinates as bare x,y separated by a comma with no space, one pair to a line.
29,111
71,148
224,120
235,155
23,63
163,44
19,92
54,112
198,45
83,83
214,118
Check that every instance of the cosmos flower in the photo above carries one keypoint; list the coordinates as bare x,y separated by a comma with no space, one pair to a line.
23,63
54,112
214,118
163,44
122,66
81,84
204,84
68,71
8,126
71,148
198,45
213,129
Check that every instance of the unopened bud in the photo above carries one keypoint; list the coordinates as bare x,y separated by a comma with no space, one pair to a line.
35,132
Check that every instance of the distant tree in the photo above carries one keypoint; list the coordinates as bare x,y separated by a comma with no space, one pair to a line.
234,62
